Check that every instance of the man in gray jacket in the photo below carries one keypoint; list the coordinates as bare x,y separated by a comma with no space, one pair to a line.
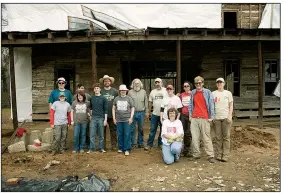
139,96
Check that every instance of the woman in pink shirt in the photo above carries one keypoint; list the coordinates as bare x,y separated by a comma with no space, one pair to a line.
172,137
185,98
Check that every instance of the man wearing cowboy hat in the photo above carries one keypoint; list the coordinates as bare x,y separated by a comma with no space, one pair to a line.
109,93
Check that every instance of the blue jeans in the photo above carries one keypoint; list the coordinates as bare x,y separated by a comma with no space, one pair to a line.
139,118
124,136
155,121
79,136
96,128
171,153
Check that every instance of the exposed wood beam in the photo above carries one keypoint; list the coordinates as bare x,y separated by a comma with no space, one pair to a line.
260,87
13,87
178,49
50,36
259,13
204,33
88,34
240,15
31,37
93,61
103,38
249,16
10,36
108,33
222,33
166,32
69,36
147,33
126,33
185,32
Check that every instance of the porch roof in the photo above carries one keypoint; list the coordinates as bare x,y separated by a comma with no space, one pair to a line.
44,37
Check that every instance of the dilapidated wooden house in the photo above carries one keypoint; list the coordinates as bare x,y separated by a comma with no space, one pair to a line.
247,57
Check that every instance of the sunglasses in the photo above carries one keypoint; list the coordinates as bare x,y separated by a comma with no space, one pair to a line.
61,82
219,82
198,83
169,89
186,86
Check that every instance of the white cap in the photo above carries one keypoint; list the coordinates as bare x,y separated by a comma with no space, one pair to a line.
158,80
220,79
123,88
61,79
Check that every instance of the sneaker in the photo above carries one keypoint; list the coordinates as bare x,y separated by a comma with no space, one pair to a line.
140,146
134,146
126,153
89,152
119,151
212,160
102,151
81,151
147,148
74,152
224,159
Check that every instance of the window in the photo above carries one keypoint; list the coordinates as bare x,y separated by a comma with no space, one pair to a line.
271,75
232,76
230,19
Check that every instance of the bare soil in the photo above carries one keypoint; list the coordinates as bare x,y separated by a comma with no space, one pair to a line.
254,164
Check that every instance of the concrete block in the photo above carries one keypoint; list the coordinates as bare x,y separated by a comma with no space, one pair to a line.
36,134
47,137
17,147
43,147
22,138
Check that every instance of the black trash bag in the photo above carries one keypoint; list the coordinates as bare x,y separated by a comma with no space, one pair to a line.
94,183
70,183
26,185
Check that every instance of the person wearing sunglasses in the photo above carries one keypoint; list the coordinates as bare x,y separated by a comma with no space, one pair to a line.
201,114
185,98
223,118
55,94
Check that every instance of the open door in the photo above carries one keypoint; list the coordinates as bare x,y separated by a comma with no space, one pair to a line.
230,82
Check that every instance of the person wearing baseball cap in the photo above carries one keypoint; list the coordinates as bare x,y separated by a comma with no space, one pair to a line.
60,120
155,99
223,100
123,112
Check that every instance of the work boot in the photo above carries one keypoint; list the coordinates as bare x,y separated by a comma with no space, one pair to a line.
224,159
212,160
194,158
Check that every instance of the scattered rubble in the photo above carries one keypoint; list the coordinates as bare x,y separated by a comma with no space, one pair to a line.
53,162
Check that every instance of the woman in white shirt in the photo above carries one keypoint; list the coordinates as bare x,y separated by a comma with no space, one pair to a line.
172,137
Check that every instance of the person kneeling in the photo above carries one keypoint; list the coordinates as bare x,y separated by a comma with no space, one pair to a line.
172,137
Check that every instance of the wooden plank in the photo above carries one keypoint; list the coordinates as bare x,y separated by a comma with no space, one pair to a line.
13,87
254,105
41,110
249,16
255,113
178,89
93,59
31,37
10,36
259,13
40,117
141,38
50,36
260,86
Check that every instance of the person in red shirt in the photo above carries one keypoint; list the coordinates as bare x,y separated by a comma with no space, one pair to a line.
201,114
185,98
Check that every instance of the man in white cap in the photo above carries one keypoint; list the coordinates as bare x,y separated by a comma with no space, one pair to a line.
55,94
155,100
109,93
223,118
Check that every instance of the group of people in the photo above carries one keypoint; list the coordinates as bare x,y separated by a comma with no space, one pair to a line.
183,119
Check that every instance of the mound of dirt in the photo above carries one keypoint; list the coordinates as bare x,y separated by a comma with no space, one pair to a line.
249,136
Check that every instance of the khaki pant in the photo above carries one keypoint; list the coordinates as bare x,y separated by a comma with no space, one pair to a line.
222,138
201,128
60,137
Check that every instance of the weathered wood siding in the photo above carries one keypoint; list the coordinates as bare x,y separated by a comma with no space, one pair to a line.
248,15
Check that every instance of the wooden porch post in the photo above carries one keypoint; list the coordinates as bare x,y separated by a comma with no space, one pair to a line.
178,89
93,60
260,87
13,87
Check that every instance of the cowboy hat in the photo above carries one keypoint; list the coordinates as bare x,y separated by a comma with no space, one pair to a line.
123,88
101,80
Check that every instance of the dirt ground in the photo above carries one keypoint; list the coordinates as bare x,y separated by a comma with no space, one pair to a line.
254,164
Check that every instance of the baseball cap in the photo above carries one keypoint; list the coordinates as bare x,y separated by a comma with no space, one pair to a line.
61,79
62,94
158,80
220,79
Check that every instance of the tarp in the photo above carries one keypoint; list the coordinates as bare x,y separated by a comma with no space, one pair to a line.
38,17
23,79
271,16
